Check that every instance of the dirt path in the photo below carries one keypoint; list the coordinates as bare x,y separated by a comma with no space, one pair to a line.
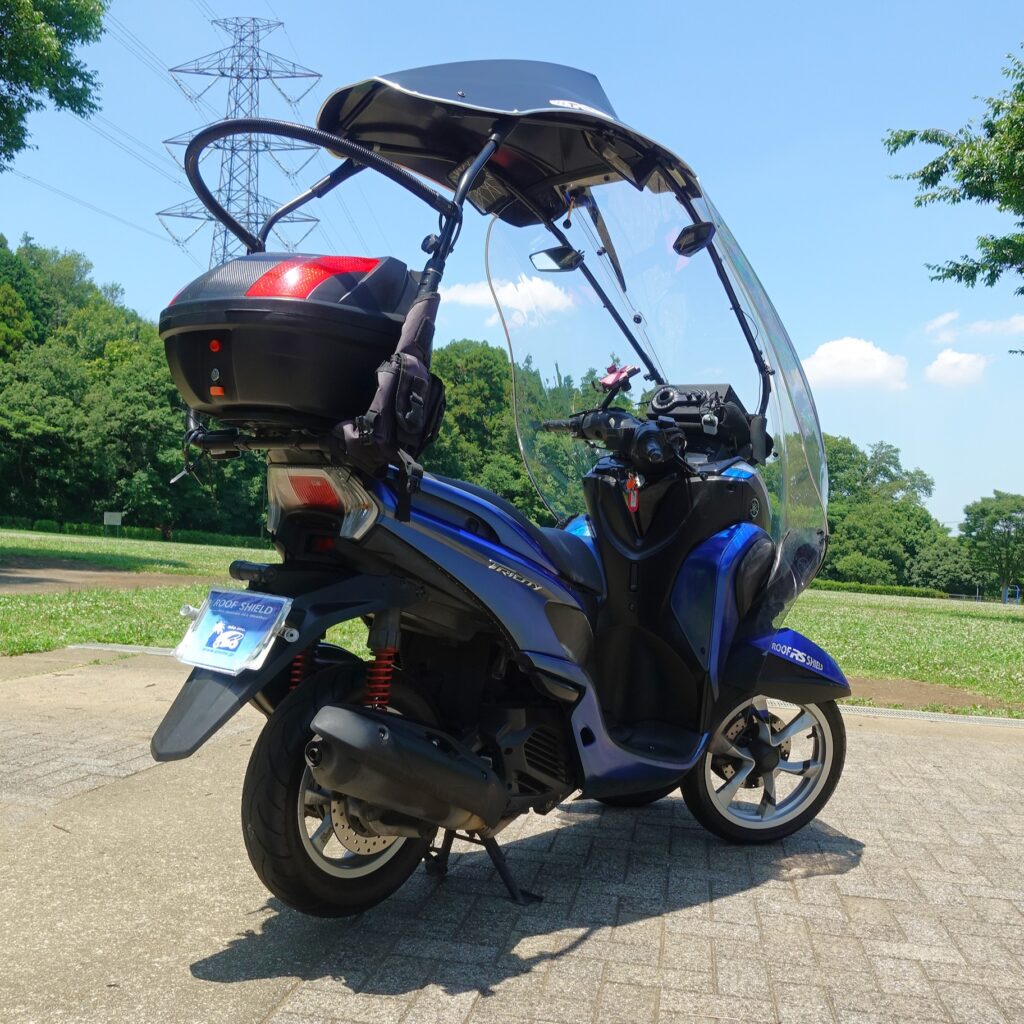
22,575
909,693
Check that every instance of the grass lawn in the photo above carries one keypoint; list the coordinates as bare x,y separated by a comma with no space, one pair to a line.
977,647
130,555
974,647
147,616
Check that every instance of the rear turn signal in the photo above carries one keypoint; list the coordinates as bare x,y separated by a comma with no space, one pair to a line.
296,279
323,489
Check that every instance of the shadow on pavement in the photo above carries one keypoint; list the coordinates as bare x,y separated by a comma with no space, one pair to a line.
604,875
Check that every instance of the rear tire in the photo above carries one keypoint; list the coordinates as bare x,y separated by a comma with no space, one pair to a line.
272,825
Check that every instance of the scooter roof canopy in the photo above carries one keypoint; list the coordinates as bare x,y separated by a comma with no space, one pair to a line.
560,131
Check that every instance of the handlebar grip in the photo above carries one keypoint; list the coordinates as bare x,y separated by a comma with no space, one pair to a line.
556,426
653,451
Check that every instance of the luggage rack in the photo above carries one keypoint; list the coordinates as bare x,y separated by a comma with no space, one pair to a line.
230,443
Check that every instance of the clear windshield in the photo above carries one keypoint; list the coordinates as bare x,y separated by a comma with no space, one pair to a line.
561,339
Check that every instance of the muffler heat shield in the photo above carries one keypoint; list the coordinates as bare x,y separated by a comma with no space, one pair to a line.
404,767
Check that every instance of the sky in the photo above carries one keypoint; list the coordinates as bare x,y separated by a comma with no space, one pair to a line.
779,108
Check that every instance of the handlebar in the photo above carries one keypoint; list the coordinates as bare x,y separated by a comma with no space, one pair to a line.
646,444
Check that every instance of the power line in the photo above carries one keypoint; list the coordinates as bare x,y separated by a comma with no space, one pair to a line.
99,210
205,9
144,160
159,154
149,59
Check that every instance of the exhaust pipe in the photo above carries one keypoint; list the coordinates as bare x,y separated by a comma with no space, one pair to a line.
398,770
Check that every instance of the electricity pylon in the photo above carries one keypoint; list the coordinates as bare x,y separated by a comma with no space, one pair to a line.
245,65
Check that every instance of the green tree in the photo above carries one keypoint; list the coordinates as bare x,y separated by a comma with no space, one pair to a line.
876,514
15,273
16,322
857,568
478,442
994,531
981,162
62,281
945,564
38,39
847,469
44,471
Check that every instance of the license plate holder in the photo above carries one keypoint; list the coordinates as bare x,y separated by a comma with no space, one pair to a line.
233,631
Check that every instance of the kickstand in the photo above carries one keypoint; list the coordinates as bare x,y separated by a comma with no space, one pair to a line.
436,858
436,864
520,896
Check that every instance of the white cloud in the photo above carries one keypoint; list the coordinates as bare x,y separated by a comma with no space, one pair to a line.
476,294
1011,325
855,363
525,301
940,327
942,320
954,369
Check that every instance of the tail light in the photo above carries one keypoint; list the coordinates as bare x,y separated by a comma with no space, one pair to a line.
321,489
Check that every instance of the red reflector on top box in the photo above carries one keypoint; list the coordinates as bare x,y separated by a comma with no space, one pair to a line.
295,279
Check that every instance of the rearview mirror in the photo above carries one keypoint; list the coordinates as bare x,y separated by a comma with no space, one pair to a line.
693,238
556,260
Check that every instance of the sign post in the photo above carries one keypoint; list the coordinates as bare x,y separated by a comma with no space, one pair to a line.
112,519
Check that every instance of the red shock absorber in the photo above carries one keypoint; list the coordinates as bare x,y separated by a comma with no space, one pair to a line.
299,669
378,678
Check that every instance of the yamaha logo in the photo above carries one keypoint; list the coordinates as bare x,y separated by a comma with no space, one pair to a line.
755,508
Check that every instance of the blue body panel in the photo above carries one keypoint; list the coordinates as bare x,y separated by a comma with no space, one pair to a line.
514,587
794,648
703,599
739,471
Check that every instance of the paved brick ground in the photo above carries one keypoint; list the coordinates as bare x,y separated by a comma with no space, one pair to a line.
905,902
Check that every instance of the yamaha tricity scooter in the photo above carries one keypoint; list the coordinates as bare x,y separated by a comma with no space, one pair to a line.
635,647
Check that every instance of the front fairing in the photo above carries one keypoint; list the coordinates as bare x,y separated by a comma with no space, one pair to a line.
562,335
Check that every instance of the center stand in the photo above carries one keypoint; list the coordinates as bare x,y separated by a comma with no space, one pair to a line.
436,862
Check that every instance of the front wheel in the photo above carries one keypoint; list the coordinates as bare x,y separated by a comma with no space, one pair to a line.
296,834
767,771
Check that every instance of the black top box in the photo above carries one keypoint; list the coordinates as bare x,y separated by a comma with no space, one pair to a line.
281,340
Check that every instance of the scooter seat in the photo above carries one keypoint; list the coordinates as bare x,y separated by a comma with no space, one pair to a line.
572,556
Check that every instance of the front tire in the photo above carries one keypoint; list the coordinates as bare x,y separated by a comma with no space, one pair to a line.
767,772
298,843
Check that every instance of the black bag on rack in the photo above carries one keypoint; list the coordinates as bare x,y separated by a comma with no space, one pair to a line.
406,412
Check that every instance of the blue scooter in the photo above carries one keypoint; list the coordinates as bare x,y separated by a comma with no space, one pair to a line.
635,647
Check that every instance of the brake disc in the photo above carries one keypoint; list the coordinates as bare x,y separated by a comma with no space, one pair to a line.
724,767
352,840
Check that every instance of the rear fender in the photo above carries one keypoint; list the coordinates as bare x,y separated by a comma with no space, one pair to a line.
209,699
784,665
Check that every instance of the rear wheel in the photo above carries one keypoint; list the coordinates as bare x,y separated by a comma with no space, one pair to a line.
296,834
767,770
